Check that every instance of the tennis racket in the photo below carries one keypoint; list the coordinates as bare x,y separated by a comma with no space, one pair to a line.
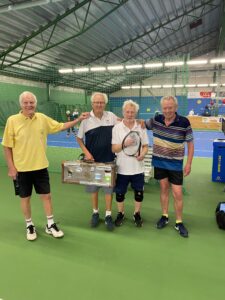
131,144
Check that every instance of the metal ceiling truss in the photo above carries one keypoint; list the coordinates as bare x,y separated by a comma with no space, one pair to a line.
204,8
96,81
211,35
156,40
105,81
49,29
132,77
201,9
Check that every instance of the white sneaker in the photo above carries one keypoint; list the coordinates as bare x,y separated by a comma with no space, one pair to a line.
31,233
54,231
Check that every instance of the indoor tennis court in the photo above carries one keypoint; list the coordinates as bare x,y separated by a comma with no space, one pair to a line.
63,51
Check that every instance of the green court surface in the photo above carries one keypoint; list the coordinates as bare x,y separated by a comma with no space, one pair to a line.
129,263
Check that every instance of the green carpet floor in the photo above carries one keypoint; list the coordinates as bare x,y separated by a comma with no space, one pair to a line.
130,263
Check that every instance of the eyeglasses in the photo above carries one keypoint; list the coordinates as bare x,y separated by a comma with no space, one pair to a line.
99,103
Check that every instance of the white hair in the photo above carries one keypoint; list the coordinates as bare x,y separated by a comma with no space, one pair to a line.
24,94
102,94
131,103
169,98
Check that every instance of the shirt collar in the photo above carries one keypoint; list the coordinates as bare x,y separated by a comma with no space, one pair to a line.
93,115
133,128
177,118
26,118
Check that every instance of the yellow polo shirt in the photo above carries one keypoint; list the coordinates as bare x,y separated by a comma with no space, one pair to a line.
28,139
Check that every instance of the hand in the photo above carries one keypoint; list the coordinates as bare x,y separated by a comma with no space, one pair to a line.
187,170
89,157
83,116
12,172
141,122
140,157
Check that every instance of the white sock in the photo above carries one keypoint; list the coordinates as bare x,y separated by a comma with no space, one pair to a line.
95,211
29,222
108,213
50,220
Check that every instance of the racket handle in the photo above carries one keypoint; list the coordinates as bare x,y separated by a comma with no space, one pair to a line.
16,186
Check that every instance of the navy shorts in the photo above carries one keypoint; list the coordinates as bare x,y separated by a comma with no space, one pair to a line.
174,177
136,181
39,179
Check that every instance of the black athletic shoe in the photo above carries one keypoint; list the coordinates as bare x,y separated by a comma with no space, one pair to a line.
182,230
109,223
95,220
119,219
137,219
163,221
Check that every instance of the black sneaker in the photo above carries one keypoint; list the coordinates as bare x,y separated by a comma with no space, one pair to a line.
182,230
137,219
163,221
95,220
109,222
119,219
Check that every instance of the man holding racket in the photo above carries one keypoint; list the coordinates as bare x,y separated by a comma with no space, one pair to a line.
170,133
24,142
94,137
130,143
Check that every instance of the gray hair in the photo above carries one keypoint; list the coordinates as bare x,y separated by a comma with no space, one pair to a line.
131,103
169,98
102,94
24,94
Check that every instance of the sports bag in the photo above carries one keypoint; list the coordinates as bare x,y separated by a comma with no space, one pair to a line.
220,215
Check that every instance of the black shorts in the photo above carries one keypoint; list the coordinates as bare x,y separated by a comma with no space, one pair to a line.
174,177
122,182
39,179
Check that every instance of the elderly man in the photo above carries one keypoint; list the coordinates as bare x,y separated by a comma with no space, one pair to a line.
170,132
130,168
24,142
94,137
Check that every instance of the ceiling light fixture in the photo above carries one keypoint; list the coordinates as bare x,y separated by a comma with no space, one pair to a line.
115,68
174,63
190,85
156,86
166,86
135,86
217,60
153,65
97,69
128,67
146,86
65,71
178,85
197,62
202,85
80,70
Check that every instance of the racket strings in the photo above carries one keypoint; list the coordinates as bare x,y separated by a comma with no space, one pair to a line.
132,143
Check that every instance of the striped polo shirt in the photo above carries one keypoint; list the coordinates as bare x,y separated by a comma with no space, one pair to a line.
168,141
